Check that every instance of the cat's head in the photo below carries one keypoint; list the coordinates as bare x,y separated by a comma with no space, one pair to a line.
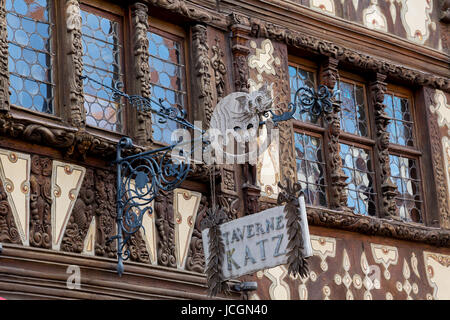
258,102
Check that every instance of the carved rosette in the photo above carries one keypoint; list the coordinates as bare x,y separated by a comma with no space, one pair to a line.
40,202
338,195
81,217
166,229
4,73
74,45
105,213
139,16
388,188
203,75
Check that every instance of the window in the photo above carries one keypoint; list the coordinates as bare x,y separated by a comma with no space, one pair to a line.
356,145
357,164
168,76
29,26
308,137
404,157
102,59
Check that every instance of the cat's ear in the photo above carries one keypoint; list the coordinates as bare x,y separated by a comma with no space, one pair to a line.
243,101
263,88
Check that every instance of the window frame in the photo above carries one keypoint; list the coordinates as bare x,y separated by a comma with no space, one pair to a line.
56,57
120,15
176,33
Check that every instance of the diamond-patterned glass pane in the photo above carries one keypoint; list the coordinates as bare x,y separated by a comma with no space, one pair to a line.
357,166
30,54
405,175
299,78
401,125
168,81
102,54
353,109
311,168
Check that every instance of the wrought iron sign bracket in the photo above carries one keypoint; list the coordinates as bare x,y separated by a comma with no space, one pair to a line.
141,177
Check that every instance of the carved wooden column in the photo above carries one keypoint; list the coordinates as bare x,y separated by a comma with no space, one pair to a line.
337,178
203,96
388,189
74,113
4,73
140,83
240,31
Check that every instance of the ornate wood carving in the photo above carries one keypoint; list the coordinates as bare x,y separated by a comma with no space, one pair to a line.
203,75
378,226
192,12
138,249
74,62
4,71
74,144
338,196
196,257
438,161
165,226
388,188
444,14
240,30
81,217
219,68
349,56
40,202
105,213
230,204
8,228
139,16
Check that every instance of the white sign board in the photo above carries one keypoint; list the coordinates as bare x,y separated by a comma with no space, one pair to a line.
258,241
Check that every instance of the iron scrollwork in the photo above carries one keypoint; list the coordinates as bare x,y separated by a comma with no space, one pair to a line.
142,176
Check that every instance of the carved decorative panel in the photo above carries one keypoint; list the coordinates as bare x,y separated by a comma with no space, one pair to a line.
4,74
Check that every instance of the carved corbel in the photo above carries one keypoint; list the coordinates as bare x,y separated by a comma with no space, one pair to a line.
337,178
202,65
141,80
74,62
4,73
388,188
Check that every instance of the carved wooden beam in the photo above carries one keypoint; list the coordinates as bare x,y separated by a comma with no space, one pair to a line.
76,114
359,60
378,227
140,83
4,73
388,190
192,12
337,178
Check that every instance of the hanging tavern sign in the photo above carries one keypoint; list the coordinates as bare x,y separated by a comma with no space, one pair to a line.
258,241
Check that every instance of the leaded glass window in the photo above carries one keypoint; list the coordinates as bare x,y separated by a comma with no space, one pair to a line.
298,78
405,175
311,168
357,166
29,29
102,59
353,108
168,79
401,125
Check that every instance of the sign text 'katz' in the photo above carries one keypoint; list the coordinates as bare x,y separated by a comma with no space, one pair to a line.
255,242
